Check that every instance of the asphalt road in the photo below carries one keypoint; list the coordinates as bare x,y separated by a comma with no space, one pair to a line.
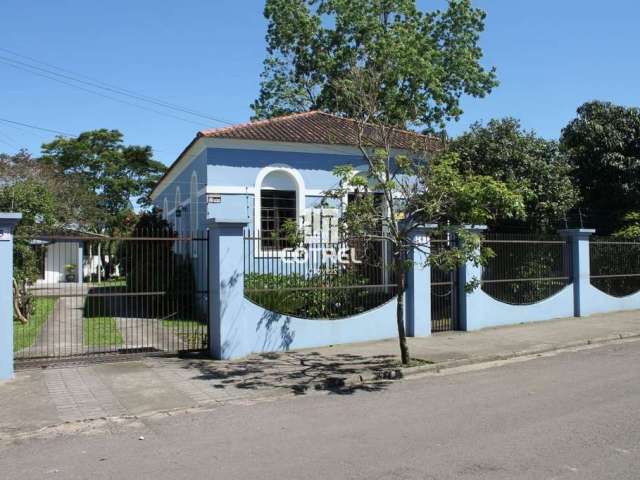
571,416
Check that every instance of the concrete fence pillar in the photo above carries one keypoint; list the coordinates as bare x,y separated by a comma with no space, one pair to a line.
471,308
418,291
7,223
578,239
226,289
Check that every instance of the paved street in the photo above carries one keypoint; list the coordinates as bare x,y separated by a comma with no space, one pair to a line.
567,416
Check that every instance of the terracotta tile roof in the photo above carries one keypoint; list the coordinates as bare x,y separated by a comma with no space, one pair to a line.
315,127
308,127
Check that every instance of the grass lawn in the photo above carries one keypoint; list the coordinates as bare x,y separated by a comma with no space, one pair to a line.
25,335
101,332
191,332
112,282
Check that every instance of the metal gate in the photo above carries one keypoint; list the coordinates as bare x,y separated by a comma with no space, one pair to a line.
444,293
91,295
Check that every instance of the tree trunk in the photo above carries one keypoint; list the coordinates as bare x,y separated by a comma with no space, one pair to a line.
16,304
402,335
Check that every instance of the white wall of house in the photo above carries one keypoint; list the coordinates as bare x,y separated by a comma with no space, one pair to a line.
57,256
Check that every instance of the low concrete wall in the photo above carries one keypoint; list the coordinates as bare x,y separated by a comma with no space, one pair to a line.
484,311
255,330
596,301
239,327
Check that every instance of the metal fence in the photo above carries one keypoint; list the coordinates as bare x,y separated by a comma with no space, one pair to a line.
615,265
315,279
525,269
444,304
97,295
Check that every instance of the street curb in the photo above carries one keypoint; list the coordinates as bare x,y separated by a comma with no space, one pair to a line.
359,379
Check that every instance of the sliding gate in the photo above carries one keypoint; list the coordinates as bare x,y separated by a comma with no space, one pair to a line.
89,295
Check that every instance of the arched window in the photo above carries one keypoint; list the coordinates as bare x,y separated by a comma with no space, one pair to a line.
193,213
178,217
279,198
177,211
194,204
165,209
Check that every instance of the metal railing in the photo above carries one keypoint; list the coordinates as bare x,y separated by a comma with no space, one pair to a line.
525,269
615,265
444,308
315,279
96,295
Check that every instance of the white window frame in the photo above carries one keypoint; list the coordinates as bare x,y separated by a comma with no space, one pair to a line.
300,189
178,224
165,209
193,213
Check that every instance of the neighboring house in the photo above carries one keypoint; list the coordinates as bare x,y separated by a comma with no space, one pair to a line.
264,172
69,257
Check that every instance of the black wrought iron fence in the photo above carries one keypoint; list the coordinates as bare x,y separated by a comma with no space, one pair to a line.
315,279
93,294
525,269
615,265
444,308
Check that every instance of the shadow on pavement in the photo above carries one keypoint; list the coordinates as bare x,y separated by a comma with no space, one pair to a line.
297,372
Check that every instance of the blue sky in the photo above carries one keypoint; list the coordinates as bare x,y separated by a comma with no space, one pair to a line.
551,56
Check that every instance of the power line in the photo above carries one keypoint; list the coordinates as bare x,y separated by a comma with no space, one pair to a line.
166,114
77,77
35,127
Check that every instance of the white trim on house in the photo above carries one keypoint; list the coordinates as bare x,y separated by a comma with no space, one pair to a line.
257,201
178,166
240,190
183,203
202,143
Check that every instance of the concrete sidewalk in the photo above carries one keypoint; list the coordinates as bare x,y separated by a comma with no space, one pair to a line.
40,398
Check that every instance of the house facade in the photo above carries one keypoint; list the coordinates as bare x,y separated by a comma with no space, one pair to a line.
264,173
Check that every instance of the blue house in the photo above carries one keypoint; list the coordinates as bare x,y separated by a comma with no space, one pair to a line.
263,172
255,177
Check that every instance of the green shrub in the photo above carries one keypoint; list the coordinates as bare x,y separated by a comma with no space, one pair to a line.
325,295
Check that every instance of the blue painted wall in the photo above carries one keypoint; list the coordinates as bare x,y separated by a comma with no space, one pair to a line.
236,167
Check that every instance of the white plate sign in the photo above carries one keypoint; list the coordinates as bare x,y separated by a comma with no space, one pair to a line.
5,235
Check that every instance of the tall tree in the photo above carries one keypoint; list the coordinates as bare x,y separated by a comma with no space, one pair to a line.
120,175
425,61
417,188
46,200
502,149
603,143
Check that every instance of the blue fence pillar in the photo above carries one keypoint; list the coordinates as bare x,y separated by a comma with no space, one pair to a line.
226,289
580,267
470,305
7,224
418,293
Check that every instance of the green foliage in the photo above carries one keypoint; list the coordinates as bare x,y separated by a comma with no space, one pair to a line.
117,174
422,62
101,332
154,266
533,166
22,191
313,296
24,335
630,229
602,144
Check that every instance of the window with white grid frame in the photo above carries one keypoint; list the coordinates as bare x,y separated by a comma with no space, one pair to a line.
276,208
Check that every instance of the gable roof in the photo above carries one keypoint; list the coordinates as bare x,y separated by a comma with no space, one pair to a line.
318,128
312,127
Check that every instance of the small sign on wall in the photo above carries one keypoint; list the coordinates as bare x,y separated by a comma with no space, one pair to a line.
5,235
